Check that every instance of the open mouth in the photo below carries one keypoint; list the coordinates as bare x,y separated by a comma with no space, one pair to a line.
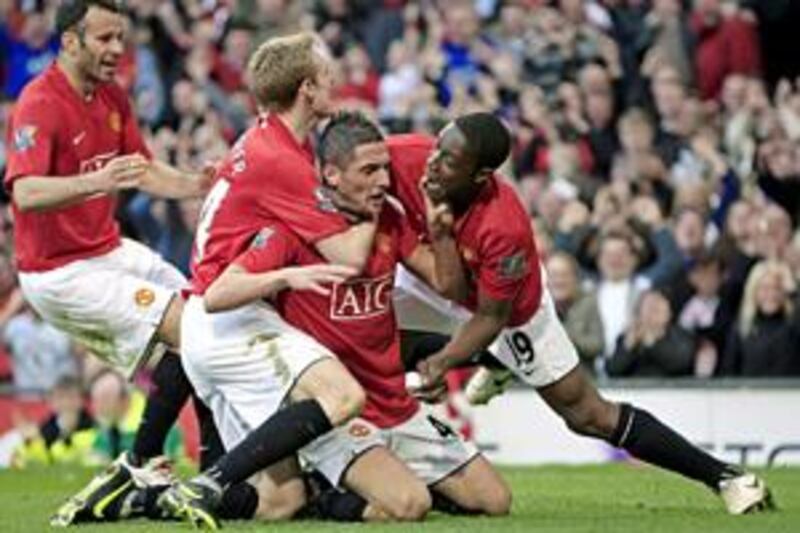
435,190
377,197
109,65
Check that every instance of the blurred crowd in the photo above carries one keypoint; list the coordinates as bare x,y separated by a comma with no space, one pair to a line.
657,148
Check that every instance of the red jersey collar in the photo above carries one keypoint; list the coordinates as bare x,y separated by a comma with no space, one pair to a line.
283,131
58,77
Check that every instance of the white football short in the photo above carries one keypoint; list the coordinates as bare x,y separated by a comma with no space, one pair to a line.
427,445
539,352
243,363
112,304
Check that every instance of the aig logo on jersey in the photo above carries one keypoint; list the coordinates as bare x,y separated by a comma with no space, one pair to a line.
361,298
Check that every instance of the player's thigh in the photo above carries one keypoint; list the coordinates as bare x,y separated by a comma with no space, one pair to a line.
140,261
538,352
430,447
112,313
330,383
356,456
477,487
242,364
388,485
281,491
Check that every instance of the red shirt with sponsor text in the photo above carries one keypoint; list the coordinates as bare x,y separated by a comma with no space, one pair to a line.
494,236
266,177
356,321
54,131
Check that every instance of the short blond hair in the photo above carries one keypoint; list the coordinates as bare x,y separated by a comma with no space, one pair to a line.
279,66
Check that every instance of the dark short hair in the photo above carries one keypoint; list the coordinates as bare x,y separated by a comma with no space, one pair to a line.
346,131
70,13
487,137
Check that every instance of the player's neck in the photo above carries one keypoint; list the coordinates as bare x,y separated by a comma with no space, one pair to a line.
298,121
461,202
82,86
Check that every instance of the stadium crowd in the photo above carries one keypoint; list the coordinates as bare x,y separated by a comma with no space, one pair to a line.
656,146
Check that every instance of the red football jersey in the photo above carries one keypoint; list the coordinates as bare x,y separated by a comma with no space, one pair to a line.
54,131
267,176
494,236
356,321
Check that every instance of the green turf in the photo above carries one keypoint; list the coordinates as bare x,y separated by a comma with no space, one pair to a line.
614,499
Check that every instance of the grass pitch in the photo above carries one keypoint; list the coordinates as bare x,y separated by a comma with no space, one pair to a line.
610,498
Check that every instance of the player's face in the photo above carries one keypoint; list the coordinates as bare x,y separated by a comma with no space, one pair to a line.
102,44
363,184
451,167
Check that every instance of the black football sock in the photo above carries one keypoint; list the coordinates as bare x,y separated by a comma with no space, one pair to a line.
211,447
282,434
171,388
334,504
239,502
646,438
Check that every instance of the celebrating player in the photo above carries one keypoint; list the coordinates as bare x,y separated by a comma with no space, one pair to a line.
508,311
74,144
269,172
394,437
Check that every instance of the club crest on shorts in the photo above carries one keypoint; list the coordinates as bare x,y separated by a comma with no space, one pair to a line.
359,430
24,137
115,122
144,297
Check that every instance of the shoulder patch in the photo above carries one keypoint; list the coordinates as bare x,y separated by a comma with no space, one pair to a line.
24,137
513,266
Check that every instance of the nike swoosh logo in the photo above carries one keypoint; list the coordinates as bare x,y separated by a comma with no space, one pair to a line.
78,138
100,506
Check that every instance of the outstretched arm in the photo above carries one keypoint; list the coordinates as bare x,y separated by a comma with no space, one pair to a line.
237,286
166,181
45,193
474,336
350,247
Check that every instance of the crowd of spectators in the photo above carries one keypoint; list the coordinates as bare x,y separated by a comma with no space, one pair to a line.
656,146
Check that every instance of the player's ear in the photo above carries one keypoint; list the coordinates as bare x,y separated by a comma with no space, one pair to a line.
69,39
307,88
331,175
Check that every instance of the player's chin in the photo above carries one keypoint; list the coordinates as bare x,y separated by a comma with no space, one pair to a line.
375,203
106,73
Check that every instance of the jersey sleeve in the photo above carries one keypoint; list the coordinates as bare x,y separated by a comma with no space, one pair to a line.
504,265
272,248
294,202
31,141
